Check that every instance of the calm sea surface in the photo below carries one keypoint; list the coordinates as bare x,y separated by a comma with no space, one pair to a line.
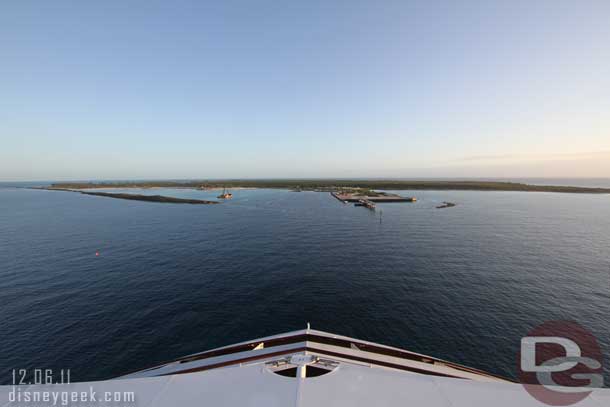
464,283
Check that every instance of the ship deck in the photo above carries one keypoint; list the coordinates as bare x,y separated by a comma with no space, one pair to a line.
310,368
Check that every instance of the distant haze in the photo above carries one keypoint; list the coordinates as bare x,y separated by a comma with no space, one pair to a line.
192,89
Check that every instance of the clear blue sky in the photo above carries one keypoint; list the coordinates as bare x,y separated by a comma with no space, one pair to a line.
214,89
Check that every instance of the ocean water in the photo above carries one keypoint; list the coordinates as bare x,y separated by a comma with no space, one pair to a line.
464,283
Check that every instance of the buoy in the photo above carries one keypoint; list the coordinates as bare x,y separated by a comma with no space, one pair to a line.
97,253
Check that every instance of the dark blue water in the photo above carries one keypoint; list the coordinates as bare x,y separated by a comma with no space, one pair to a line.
464,283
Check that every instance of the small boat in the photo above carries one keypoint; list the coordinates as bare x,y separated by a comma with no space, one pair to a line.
446,205
225,194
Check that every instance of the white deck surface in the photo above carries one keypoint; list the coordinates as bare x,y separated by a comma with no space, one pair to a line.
349,385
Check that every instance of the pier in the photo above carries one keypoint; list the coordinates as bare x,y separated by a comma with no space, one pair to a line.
377,198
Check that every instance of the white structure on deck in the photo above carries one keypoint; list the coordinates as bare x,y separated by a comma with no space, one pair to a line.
307,368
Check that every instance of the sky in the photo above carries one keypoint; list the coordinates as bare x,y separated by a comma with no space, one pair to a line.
275,89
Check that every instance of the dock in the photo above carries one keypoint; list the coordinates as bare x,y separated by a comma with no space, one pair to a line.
380,198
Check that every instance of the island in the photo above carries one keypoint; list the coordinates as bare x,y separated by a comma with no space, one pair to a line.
336,185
